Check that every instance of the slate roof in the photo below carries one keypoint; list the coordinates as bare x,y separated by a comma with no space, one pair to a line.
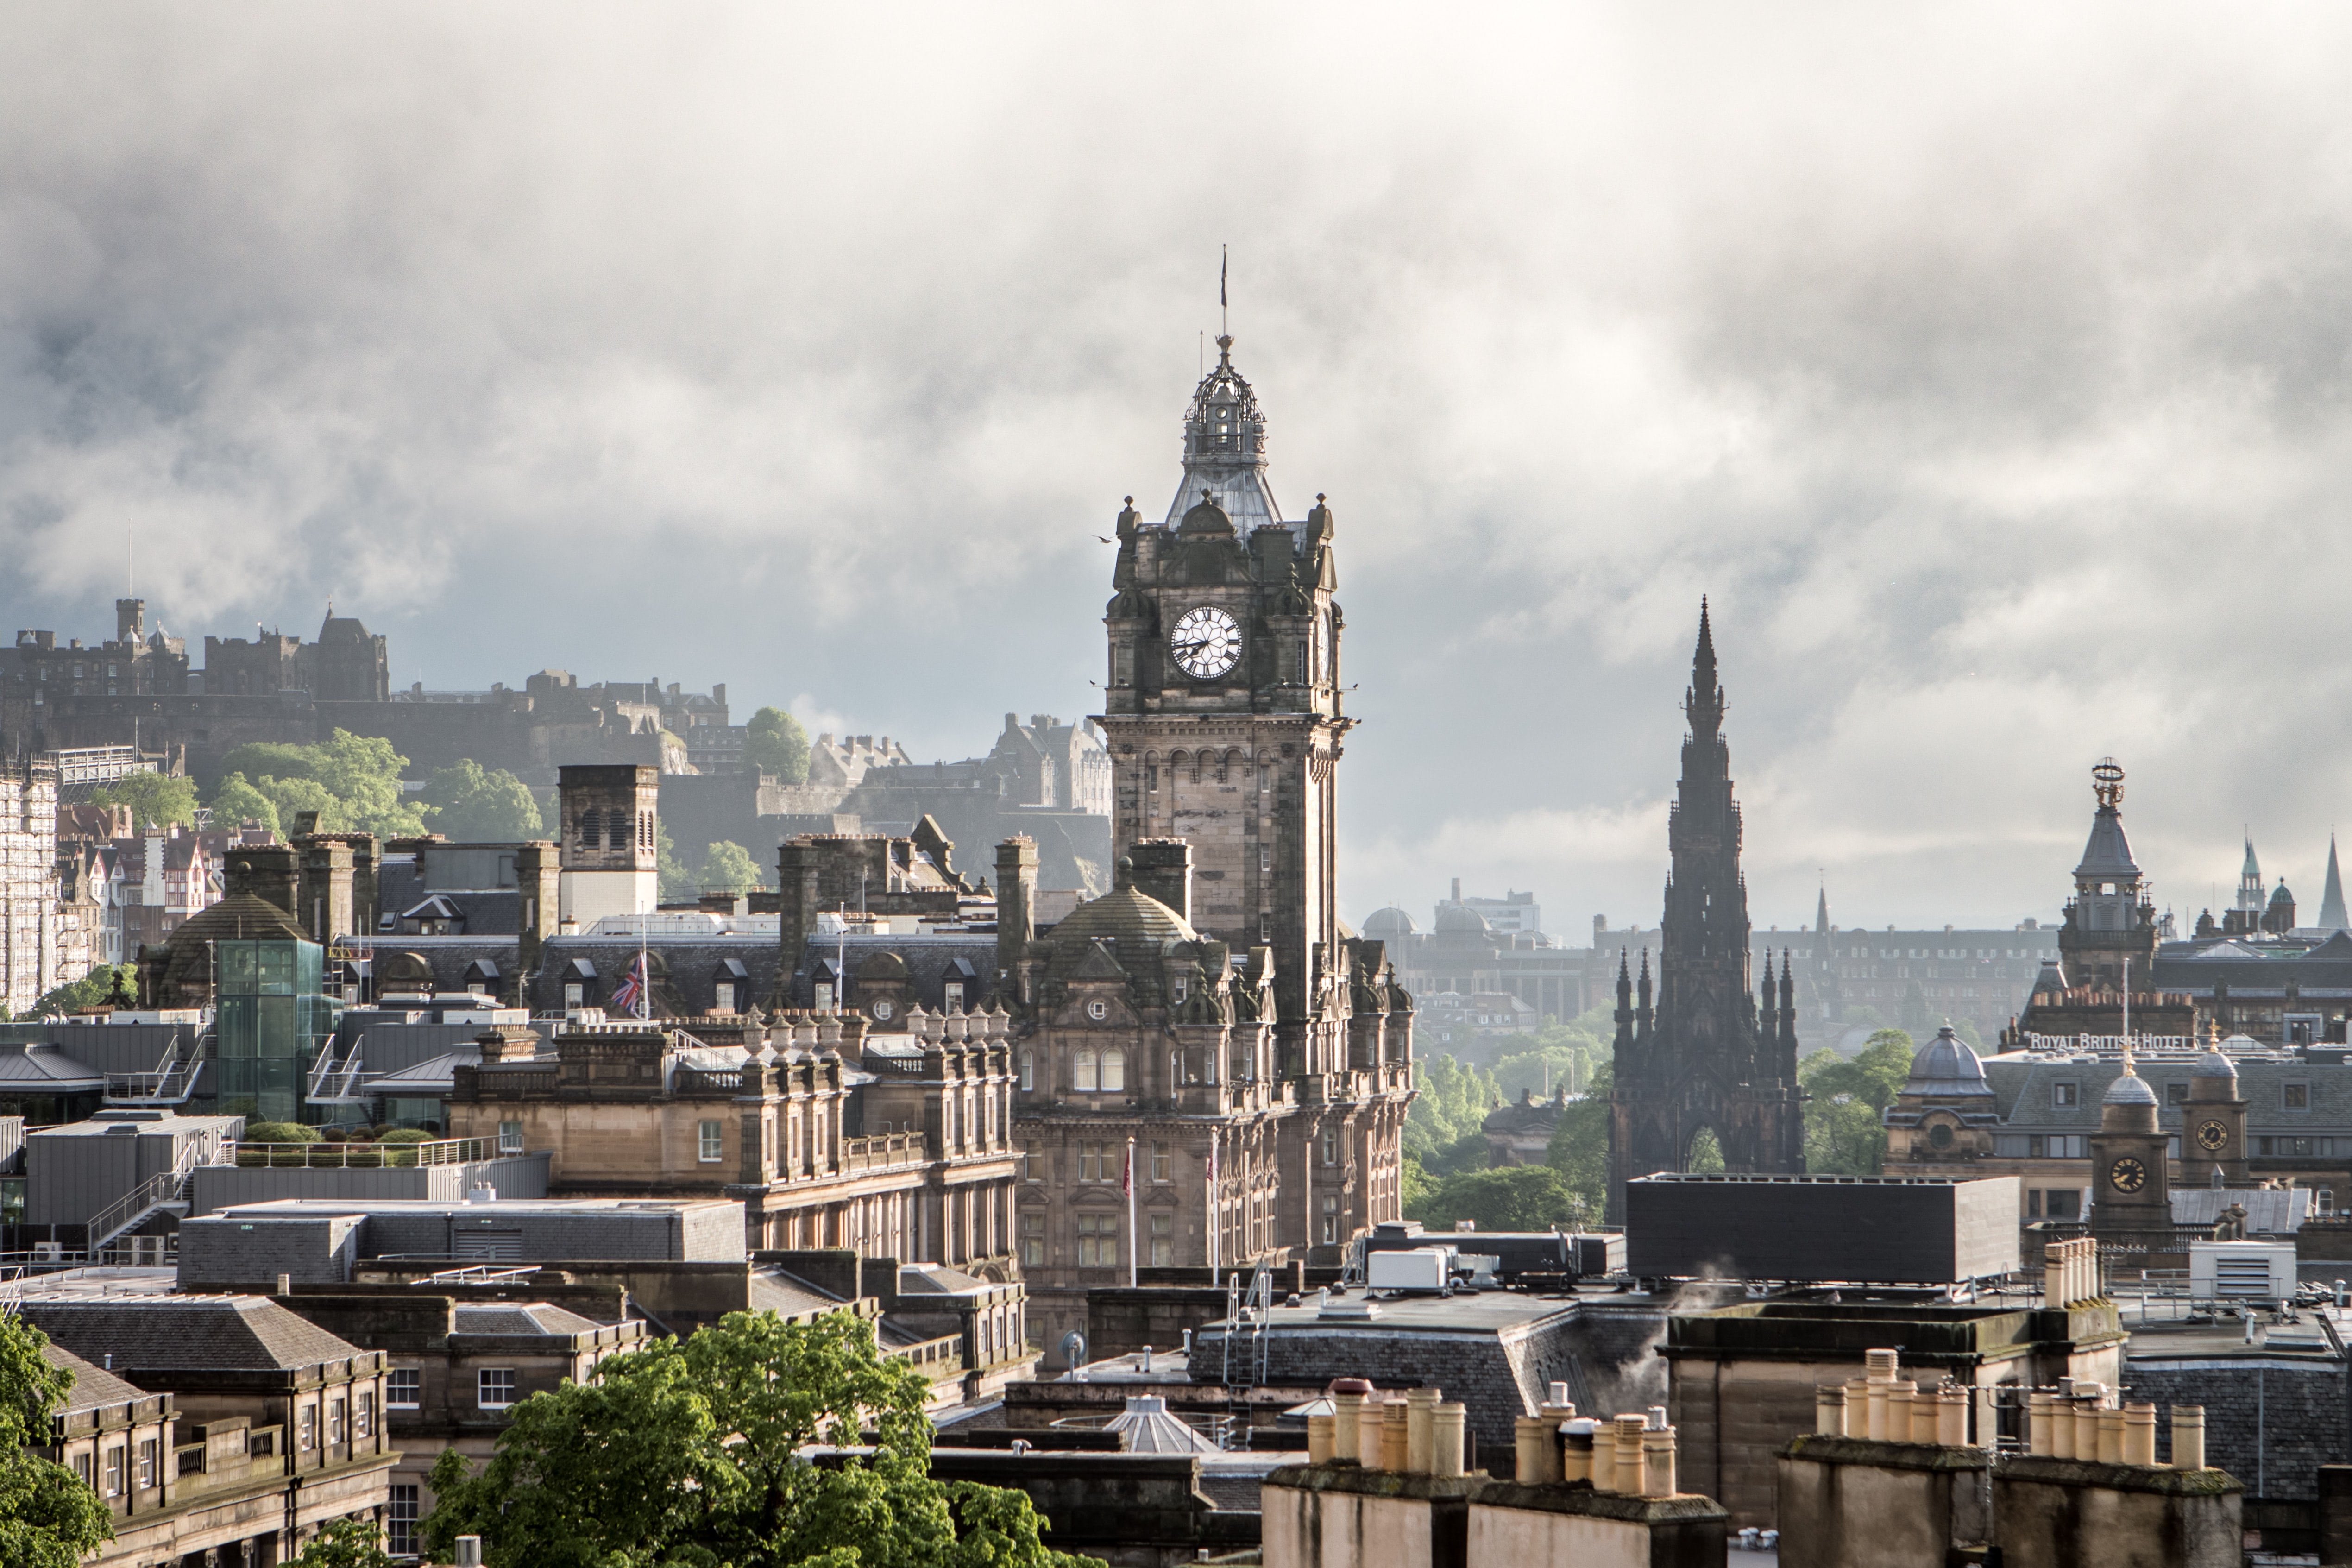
518,1319
427,1079
93,1385
2108,852
185,1334
2022,1087
932,961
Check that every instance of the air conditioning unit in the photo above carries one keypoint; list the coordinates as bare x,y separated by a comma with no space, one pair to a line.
2240,1270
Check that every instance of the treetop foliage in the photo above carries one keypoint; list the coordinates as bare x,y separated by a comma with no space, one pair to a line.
689,1454
775,742
48,1518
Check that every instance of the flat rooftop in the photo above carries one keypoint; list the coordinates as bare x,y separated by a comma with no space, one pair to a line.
324,1208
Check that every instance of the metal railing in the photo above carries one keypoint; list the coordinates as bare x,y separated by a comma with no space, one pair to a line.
170,1084
358,1156
163,1188
333,1083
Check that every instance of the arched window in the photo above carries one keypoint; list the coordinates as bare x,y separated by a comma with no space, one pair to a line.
1028,1071
592,828
1086,1072
1114,1071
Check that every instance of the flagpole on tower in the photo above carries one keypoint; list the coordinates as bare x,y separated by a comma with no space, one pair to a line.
1224,261
1132,1241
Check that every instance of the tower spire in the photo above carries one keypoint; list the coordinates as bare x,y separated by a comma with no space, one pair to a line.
1704,702
2332,915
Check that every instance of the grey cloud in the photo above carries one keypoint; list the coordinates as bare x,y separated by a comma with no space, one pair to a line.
1989,368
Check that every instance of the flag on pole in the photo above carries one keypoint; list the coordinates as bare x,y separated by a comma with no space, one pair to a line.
1225,259
631,996
1127,1181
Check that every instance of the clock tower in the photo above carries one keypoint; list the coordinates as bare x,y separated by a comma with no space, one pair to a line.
2131,1201
2213,1123
1224,712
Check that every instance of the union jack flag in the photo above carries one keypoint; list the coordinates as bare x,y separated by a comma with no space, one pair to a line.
631,996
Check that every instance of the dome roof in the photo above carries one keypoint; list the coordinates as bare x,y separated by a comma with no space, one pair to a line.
2281,896
1206,517
1387,924
2129,1089
1126,915
2213,1064
1460,919
1946,1066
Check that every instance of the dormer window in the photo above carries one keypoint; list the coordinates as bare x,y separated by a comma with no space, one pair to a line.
1183,989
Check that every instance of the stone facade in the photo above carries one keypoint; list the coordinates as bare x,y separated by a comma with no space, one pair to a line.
1715,1053
1208,1012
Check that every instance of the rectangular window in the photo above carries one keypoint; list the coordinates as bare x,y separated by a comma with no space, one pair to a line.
1330,1221
1098,1241
1160,1161
1090,1163
497,1385
2063,1093
722,996
824,997
1163,1240
400,1523
150,1459
2009,1145
2033,1202
309,1436
509,1137
575,995
1331,1145
114,1471
335,1421
954,996
2261,1145
2176,1094
2297,1096
710,1151
404,1388
364,1423
82,1470
1032,1240
2063,1203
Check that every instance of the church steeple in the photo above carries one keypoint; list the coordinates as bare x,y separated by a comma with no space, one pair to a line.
2332,915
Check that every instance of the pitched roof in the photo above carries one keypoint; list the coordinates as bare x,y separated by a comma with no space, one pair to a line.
92,1385
520,1317
185,1334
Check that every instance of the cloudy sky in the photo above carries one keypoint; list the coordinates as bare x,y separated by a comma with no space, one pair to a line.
1987,366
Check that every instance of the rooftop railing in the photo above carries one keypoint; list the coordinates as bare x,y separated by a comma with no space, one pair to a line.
358,1156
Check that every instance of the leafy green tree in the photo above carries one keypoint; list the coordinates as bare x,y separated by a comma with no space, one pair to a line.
1844,1120
728,867
352,781
1546,1070
677,878
1580,1143
49,1519
690,1454
1705,1156
1516,1197
1415,1186
116,983
236,800
346,1543
774,742
1444,1126
290,797
156,800
477,805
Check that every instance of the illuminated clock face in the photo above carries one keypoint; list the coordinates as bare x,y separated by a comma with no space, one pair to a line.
2212,1135
882,1010
1206,642
2127,1176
